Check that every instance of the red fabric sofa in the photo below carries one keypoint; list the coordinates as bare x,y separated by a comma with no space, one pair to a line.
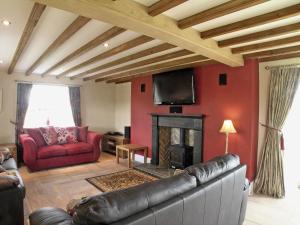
44,157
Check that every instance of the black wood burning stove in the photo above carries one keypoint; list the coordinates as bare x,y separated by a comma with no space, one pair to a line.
181,155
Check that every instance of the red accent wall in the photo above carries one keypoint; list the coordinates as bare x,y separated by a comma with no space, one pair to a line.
237,101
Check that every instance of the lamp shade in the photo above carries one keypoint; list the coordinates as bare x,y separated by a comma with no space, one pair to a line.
227,127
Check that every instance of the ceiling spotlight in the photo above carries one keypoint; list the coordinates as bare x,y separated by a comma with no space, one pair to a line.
6,23
106,45
1,61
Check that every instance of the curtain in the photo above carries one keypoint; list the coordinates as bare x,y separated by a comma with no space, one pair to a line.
283,85
75,104
23,96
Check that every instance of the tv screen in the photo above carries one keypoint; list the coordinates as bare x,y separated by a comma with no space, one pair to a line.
174,87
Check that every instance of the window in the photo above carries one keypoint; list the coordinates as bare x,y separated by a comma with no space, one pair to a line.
49,105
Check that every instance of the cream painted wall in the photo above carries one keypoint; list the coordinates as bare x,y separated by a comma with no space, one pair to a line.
98,103
264,80
122,106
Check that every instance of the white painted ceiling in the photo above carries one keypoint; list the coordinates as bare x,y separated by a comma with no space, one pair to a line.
54,21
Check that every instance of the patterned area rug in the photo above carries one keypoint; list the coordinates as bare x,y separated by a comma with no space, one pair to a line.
120,180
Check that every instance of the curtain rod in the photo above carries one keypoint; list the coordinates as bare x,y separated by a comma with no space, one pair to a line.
44,83
288,65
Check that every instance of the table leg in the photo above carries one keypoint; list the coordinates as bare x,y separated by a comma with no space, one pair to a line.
117,154
133,156
145,155
129,159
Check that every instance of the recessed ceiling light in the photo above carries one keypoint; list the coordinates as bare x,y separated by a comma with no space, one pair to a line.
1,61
6,22
106,45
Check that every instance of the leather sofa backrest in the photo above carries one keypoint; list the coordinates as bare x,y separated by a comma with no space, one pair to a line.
204,172
218,202
114,206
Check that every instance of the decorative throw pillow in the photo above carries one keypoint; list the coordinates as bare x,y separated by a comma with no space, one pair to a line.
66,135
82,133
2,169
35,133
49,134
6,153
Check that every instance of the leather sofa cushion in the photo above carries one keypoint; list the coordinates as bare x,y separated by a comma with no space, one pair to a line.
113,206
78,148
51,151
9,164
8,181
50,216
213,168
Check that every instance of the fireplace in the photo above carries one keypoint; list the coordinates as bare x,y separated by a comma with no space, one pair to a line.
176,140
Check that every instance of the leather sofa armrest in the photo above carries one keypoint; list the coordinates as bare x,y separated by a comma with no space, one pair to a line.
95,139
50,216
244,202
30,149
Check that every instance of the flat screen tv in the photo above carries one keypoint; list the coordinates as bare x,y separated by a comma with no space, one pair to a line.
174,88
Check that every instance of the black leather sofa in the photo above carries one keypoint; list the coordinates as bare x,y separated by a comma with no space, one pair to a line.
213,193
12,194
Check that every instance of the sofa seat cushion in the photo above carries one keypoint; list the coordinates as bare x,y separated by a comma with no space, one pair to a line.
51,151
78,148
50,216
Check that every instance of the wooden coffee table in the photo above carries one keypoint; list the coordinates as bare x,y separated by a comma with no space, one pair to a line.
131,149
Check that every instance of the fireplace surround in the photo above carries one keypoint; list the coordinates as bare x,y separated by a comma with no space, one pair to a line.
184,122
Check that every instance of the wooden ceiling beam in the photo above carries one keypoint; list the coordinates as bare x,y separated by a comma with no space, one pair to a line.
76,25
178,67
133,16
252,22
273,52
143,53
162,6
121,48
218,11
168,64
261,35
107,35
32,21
279,57
265,45
145,62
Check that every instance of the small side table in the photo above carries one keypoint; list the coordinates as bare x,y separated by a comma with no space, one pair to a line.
13,150
131,149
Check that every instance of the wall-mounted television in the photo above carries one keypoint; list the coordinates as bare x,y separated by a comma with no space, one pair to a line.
174,87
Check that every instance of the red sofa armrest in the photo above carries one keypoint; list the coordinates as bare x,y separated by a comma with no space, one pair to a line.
95,139
30,149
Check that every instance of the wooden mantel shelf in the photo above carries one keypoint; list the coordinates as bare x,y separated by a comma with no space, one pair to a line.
178,115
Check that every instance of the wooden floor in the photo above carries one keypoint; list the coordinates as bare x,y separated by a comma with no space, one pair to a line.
56,187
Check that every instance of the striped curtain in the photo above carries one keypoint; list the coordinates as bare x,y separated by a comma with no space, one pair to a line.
74,93
283,85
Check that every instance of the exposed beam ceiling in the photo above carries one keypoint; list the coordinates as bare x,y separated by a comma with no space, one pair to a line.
218,11
261,35
267,44
62,38
162,6
33,19
279,57
133,16
143,53
121,48
273,52
154,67
156,71
252,22
157,59
107,35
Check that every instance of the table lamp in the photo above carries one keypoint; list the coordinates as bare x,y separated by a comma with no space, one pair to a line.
227,128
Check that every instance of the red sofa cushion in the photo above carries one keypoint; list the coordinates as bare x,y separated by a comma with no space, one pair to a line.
78,148
82,133
51,151
35,133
